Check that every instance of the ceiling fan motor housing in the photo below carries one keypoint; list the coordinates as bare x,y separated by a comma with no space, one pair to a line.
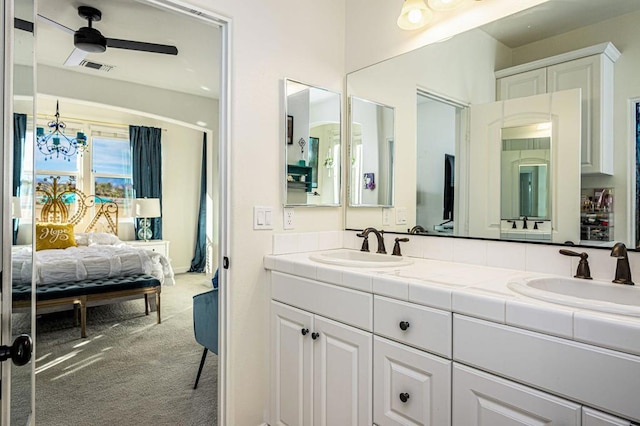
89,40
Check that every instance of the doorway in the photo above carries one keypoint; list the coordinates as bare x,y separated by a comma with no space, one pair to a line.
172,12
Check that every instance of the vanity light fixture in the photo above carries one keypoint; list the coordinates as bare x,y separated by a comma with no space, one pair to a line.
441,5
414,14
57,143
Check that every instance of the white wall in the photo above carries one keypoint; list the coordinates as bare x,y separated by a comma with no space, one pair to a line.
302,40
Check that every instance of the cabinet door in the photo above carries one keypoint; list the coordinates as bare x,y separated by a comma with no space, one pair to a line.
342,366
597,103
528,83
291,366
591,417
411,387
483,399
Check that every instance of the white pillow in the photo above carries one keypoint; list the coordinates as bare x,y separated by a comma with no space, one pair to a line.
103,238
82,239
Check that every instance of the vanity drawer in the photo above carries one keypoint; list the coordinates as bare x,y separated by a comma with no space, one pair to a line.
338,303
414,325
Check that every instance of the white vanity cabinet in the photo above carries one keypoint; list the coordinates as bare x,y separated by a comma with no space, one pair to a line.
411,386
320,368
481,399
591,70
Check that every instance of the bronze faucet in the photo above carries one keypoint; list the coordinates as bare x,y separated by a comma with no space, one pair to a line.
379,234
417,230
623,271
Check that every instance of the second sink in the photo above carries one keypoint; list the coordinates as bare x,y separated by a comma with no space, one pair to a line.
592,295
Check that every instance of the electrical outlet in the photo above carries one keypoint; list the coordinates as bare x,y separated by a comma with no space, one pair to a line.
386,217
288,218
401,216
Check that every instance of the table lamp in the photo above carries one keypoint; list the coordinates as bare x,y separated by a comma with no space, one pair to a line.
146,208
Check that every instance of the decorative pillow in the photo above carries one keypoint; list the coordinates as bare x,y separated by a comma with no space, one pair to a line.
103,238
54,236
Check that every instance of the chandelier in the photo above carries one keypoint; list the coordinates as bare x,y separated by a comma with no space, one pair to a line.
57,143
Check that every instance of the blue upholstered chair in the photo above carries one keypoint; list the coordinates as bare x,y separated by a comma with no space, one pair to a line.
205,324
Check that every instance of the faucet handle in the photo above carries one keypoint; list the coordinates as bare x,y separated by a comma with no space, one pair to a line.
396,246
536,223
583,270
513,222
365,242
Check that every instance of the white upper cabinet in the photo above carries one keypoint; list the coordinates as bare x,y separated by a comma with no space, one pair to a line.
591,70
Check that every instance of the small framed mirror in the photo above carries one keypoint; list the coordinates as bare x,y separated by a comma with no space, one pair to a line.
312,145
371,153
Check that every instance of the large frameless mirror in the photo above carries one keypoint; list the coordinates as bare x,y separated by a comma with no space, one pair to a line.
470,69
371,153
312,145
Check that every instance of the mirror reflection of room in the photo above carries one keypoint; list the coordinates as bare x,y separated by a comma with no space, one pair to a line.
499,62
372,153
313,145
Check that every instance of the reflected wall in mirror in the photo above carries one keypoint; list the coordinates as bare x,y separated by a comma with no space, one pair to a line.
464,68
313,145
372,153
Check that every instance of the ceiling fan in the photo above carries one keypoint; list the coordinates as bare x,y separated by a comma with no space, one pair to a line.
89,40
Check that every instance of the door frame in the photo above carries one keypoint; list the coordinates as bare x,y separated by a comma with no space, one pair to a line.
224,162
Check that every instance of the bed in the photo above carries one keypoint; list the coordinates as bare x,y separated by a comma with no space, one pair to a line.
89,267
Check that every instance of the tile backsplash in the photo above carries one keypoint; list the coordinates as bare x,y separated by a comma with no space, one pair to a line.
502,254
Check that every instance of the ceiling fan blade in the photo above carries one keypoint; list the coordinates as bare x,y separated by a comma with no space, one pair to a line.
23,25
57,25
142,46
75,58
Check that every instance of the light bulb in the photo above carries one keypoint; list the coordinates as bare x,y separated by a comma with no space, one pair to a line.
414,16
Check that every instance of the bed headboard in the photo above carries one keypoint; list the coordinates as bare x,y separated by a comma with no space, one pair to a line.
58,196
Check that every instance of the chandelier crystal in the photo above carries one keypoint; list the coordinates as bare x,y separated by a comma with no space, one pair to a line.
57,143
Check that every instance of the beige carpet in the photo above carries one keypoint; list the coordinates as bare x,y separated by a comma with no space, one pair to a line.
130,370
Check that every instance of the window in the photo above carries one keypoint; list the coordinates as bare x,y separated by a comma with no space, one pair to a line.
111,170
103,170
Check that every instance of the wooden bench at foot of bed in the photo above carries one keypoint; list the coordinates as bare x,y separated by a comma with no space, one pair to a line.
80,293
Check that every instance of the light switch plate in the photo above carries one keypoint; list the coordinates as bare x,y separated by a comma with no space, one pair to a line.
262,217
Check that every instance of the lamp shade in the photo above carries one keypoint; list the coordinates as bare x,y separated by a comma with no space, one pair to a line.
16,209
414,14
148,207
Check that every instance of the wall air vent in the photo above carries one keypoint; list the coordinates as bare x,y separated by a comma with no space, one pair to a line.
96,66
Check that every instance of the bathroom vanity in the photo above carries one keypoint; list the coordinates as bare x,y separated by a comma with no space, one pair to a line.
441,343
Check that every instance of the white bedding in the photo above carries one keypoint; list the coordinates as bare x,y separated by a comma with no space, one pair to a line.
89,262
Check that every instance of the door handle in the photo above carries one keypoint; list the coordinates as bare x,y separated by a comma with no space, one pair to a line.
19,352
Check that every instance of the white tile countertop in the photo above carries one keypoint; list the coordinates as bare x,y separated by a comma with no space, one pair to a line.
473,290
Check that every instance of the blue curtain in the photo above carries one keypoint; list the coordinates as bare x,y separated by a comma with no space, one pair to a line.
147,169
19,134
199,261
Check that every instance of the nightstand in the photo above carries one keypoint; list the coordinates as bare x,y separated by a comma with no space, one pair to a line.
159,246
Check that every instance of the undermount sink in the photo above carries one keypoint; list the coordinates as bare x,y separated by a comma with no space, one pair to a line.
359,259
586,294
